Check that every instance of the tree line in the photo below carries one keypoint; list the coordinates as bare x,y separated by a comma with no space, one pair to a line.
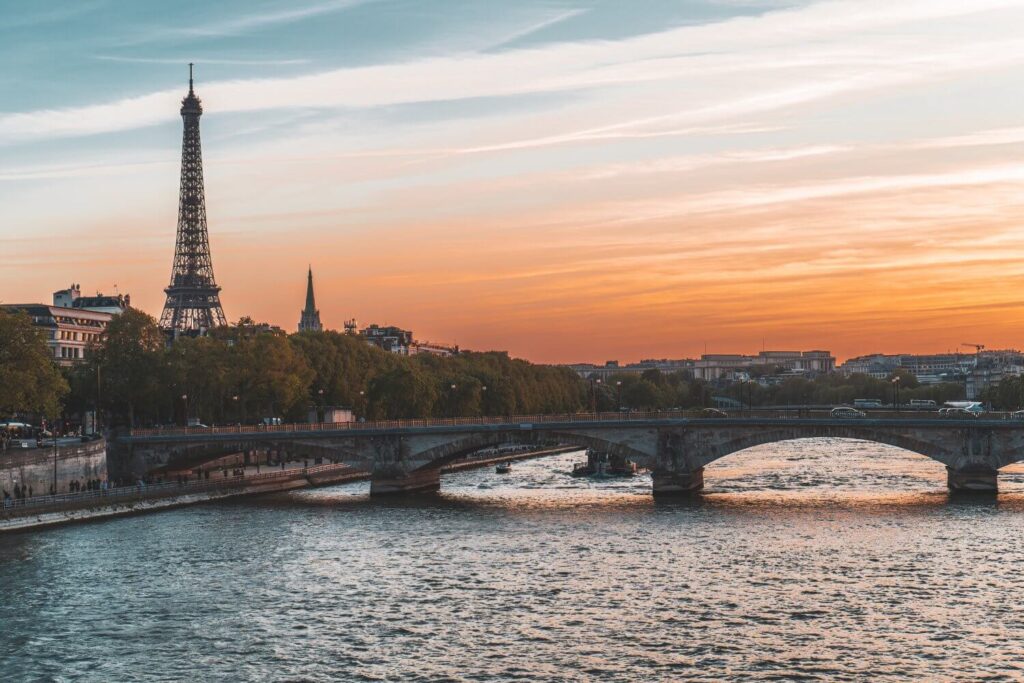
245,372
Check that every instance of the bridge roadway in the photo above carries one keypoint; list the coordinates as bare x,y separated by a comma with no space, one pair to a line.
408,455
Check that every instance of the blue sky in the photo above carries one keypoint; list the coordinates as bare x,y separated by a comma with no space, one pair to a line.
518,175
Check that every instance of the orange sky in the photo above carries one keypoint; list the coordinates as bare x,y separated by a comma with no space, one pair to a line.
814,177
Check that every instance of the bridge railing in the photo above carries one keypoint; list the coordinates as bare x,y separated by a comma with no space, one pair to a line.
774,413
394,424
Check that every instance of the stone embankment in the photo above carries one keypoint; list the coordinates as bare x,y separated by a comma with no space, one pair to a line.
47,511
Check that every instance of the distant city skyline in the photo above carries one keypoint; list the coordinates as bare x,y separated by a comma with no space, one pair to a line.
568,181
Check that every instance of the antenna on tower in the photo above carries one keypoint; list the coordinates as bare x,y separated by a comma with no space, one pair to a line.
190,76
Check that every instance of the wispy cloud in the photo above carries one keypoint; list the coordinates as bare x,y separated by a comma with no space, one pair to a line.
252,22
202,60
689,59
548,22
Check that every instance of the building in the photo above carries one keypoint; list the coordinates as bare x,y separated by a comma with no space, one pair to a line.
330,415
68,331
714,367
991,368
875,365
390,338
433,348
309,319
396,340
927,368
72,298
612,367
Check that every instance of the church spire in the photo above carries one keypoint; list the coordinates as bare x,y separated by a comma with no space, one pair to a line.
310,318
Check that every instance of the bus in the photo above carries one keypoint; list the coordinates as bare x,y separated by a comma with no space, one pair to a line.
922,403
867,403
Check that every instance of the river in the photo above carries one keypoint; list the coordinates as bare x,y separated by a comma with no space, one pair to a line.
814,560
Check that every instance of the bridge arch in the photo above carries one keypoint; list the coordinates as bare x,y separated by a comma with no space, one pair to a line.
441,455
746,439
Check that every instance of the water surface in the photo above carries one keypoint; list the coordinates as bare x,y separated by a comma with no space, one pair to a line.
818,559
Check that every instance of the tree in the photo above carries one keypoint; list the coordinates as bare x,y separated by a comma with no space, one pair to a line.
272,376
404,392
130,360
29,379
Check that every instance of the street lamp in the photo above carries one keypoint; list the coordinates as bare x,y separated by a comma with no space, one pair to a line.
483,390
53,428
96,417
320,409
896,392
618,396
750,397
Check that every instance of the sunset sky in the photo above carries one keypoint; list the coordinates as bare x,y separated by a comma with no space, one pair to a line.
570,180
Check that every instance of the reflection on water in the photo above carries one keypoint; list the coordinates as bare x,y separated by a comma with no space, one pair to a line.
816,559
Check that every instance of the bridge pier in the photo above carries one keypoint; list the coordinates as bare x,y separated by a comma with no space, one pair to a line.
978,479
677,483
417,481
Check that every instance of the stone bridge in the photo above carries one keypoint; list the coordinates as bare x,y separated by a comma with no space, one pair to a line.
408,456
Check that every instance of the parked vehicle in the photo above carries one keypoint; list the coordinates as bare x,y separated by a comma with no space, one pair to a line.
867,403
1017,415
713,412
922,403
959,413
847,412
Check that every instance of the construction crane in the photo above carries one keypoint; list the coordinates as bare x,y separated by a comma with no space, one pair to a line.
978,348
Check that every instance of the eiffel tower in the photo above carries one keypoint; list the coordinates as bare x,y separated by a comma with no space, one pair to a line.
193,297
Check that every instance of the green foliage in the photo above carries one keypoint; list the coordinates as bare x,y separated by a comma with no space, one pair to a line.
1007,395
129,365
837,389
29,380
245,372
652,390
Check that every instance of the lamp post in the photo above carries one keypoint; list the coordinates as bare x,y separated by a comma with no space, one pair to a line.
451,398
896,392
53,428
96,417
320,408
184,400
483,400
618,396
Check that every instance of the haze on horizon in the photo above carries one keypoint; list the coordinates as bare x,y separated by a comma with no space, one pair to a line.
565,179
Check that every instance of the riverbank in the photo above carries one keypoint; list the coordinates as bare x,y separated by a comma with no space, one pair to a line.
97,505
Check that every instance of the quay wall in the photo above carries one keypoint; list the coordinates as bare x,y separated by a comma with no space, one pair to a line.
98,505
32,468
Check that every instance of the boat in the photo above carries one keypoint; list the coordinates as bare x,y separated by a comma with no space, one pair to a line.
603,465
503,468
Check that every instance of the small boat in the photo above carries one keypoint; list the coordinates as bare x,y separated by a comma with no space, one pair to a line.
503,468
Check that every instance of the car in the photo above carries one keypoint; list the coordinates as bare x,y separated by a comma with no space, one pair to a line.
1017,415
959,413
713,412
847,412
